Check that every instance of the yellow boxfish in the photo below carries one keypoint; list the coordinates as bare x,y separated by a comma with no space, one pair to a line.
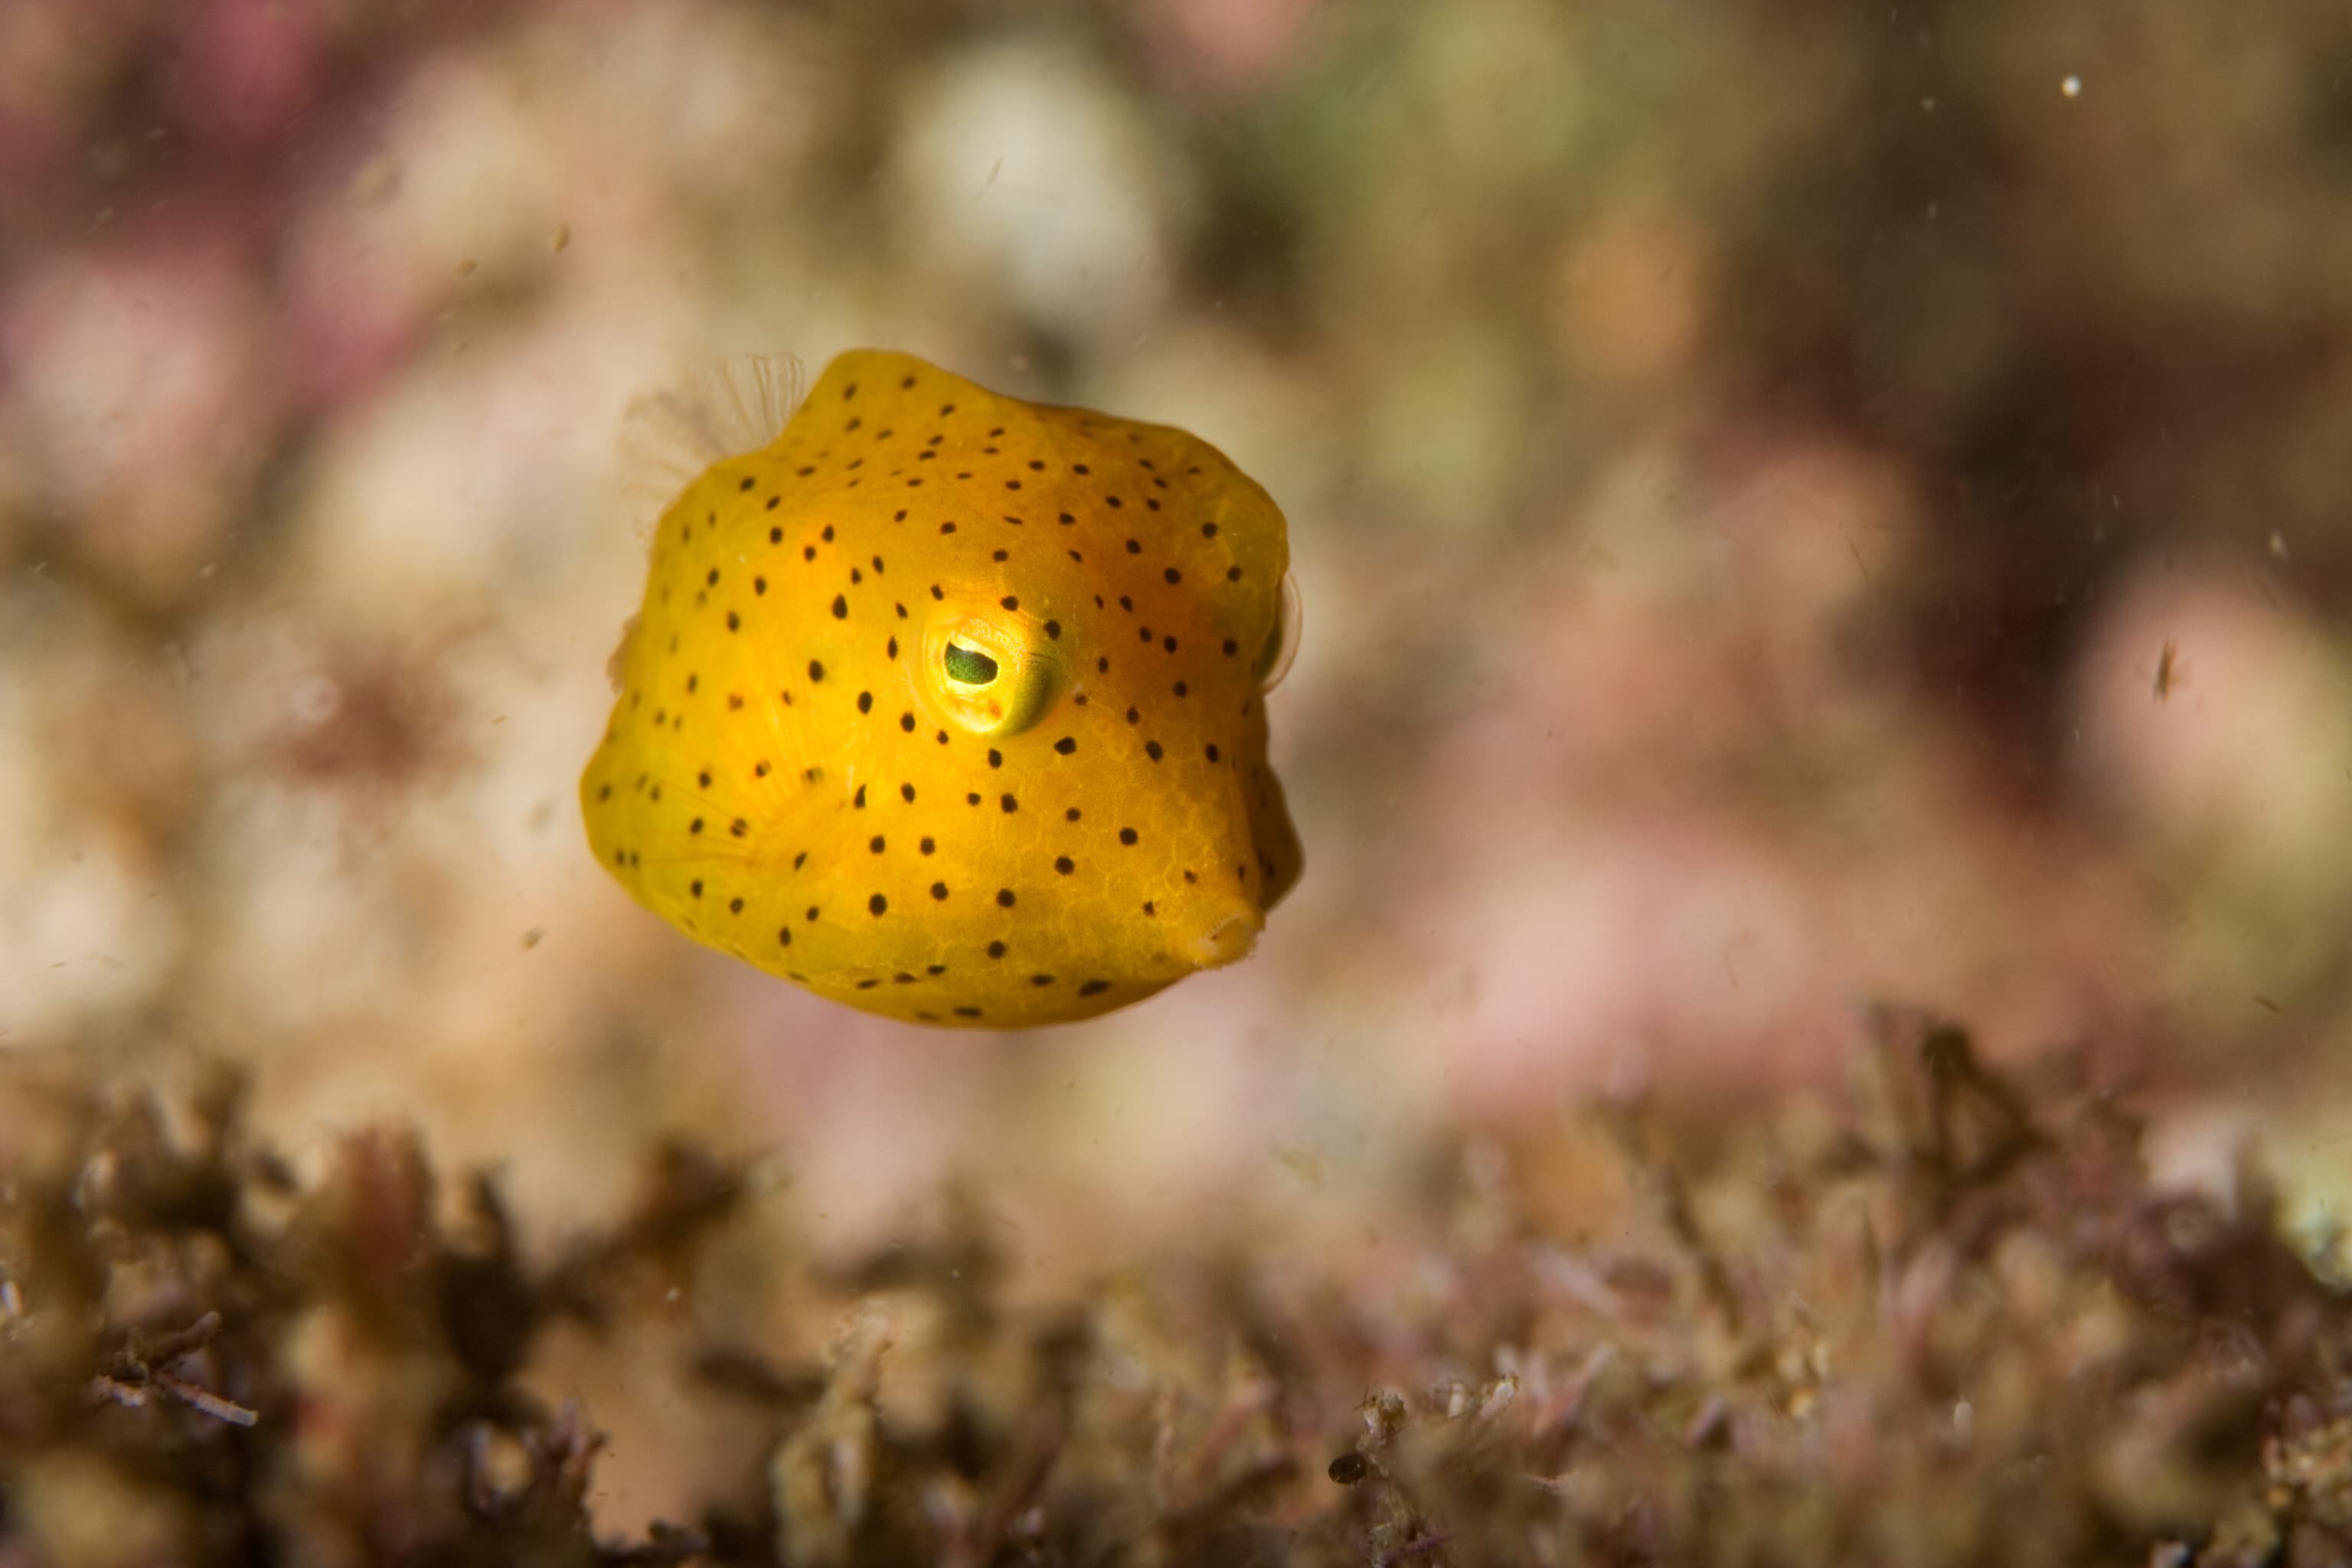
950,706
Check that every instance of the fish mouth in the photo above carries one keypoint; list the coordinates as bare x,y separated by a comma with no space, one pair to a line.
1227,937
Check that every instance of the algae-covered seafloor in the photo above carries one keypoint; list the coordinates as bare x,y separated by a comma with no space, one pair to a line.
1948,1323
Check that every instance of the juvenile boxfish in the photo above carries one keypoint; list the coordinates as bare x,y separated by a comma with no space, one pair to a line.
950,706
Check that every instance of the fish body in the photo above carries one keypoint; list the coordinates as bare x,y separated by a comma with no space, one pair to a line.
950,706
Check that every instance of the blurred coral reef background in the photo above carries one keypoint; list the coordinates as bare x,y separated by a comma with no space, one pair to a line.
1796,506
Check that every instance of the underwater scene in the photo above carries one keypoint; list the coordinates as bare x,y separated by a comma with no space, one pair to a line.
1390,783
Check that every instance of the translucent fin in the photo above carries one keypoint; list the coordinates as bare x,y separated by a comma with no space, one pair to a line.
1282,643
619,660
669,437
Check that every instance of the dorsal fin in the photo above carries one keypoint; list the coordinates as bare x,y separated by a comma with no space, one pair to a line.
669,437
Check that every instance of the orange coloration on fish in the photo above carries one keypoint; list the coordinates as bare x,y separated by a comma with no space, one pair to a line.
950,706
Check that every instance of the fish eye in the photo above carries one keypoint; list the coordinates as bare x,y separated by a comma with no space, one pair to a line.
1281,642
992,672
968,666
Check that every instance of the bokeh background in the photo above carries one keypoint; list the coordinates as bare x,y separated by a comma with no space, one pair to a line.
1797,505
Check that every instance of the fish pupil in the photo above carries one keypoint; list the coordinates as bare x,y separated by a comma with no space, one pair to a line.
969,667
